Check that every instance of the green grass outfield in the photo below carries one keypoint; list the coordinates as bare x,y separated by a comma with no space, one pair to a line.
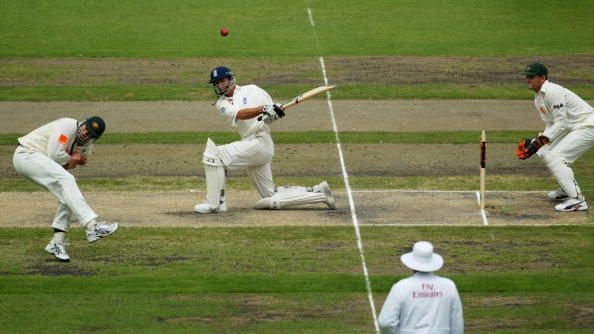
280,32
164,29
288,279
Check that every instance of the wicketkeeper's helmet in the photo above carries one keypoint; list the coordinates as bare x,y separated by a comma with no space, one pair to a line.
218,74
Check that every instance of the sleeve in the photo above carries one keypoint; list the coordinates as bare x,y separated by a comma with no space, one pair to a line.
456,316
59,138
389,317
559,113
227,109
264,97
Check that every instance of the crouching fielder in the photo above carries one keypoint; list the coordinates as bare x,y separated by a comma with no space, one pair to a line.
249,109
44,156
568,134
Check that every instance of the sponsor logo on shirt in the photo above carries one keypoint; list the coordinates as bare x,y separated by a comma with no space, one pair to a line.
427,291
244,100
223,109
558,106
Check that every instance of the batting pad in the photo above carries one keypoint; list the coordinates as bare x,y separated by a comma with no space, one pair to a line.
290,197
214,171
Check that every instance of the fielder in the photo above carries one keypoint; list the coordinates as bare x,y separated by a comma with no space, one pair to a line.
423,303
44,157
568,134
249,109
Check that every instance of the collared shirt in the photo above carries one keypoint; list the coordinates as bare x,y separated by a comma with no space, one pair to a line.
422,304
562,110
55,139
244,97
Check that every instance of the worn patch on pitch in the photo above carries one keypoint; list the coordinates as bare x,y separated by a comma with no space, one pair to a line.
410,207
381,207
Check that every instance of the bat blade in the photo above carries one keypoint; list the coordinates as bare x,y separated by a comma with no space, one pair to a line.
307,95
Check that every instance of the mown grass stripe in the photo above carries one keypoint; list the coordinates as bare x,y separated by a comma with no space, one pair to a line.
508,182
187,92
308,137
565,281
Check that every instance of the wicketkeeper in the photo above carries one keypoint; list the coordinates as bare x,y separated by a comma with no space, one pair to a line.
44,156
249,109
568,134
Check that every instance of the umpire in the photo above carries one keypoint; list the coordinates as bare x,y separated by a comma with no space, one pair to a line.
423,303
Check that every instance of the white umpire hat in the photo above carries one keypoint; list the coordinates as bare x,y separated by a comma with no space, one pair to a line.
422,258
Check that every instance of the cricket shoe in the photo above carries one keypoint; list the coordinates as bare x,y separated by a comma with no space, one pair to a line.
573,204
58,250
325,189
557,195
101,230
207,208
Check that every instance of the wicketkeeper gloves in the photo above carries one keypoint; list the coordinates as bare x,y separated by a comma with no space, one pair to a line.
527,147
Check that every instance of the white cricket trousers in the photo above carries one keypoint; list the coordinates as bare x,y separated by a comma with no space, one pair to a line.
561,153
40,169
255,154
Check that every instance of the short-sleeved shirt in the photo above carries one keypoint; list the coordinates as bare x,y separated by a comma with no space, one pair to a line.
247,96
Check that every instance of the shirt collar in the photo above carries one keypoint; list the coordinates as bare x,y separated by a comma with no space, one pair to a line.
544,87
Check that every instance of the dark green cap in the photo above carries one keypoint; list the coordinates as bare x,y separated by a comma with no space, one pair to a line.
536,69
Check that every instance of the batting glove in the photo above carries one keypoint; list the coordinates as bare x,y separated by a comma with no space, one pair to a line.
272,112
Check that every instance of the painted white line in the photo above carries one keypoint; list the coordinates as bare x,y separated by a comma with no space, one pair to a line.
311,20
466,225
483,213
449,191
412,191
347,184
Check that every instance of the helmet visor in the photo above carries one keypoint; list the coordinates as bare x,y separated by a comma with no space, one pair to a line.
224,85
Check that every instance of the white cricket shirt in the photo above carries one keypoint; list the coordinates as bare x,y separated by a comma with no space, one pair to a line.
422,304
248,96
562,110
55,139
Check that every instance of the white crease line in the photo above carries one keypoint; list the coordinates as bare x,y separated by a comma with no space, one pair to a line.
483,213
466,225
450,191
347,184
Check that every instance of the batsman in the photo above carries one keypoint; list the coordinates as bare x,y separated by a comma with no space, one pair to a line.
249,109
568,134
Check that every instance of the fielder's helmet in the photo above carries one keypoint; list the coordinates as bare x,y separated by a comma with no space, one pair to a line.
96,126
220,73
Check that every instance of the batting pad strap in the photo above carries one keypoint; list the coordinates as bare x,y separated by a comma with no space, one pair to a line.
212,160
210,157
290,197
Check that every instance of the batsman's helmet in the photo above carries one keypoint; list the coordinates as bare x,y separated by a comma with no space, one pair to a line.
536,69
218,74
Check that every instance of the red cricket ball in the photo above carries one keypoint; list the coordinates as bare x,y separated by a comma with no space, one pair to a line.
224,31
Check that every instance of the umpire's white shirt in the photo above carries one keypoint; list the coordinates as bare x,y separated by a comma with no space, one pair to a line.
562,110
247,96
422,304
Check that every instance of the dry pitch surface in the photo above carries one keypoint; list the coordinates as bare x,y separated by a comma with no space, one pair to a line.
373,207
